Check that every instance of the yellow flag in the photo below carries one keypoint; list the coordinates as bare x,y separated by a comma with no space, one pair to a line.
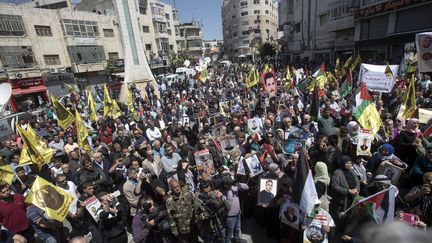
53,200
70,88
82,132
130,100
115,110
288,81
107,102
266,68
412,66
91,106
203,75
64,117
252,78
410,100
6,174
357,62
34,150
337,69
388,72
347,65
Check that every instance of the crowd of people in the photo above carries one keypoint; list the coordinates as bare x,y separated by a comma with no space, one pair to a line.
147,169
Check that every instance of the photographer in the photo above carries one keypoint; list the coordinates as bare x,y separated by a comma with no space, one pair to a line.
150,223
110,215
421,197
210,213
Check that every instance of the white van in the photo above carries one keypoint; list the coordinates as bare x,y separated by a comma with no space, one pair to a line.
171,78
183,72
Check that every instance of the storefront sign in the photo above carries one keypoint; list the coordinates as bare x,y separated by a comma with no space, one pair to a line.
26,83
386,7
58,77
78,41
158,12
375,78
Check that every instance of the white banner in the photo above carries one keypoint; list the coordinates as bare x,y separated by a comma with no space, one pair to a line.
375,78
424,51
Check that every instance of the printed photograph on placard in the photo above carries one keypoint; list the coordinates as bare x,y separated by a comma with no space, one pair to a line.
204,162
217,130
240,167
289,214
364,142
254,165
291,145
254,125
229,145
267,191
390,170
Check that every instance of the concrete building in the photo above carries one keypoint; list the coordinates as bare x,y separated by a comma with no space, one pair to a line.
246,24
385,29
190,38
212,47
316,29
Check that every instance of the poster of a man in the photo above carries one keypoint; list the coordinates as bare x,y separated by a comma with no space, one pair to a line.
270,84
229,145
254,165
267,192
254,125
364,142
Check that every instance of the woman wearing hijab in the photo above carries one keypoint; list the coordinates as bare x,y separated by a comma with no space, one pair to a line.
344,186
322,181
384,153
405,147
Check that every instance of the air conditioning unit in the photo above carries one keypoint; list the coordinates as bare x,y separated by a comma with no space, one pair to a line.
19,75
54,70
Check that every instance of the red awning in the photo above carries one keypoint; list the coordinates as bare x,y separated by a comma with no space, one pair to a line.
34,89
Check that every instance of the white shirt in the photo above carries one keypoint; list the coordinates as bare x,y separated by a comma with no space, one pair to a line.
153,134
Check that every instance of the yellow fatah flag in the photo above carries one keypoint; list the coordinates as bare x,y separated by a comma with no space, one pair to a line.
34,150
337,69
91,106
53,200
115,111
203,75
130,100
70,88
64,117
251,78
357,62
108,103
346,66
82,132
410,100
412,66
6,174
388,72
288,81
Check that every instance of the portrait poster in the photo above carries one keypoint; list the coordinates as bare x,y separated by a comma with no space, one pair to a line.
254,125
364,142
217,130
185,121
292,145
267,191
314,231
240,167
289,214
282,114
424,51
390,170
92,204
270,83
254,165
229,145
204,162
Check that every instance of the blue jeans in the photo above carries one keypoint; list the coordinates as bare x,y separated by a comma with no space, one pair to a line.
232,228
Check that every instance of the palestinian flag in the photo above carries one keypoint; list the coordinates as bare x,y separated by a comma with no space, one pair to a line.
305,193
427,132
320,77
346,85
304,84
380,206
365,110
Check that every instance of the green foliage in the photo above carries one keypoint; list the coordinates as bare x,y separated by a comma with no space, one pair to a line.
178,60
110,68
267,50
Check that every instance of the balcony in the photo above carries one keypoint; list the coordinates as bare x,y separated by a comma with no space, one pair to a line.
90,67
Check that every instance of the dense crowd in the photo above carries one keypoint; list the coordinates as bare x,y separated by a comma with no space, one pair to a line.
164,171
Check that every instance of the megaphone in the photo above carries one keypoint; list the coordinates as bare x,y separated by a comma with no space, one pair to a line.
186,63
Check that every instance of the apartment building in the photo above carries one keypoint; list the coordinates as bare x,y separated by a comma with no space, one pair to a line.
190,39
246,24
212,47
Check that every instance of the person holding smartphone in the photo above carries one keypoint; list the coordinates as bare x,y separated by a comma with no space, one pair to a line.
421,197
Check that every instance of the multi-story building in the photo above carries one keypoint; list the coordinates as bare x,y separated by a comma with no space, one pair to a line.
316,30
385,29
190,38
212,47
246,24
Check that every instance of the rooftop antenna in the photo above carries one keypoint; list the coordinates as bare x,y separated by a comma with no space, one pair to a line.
174,2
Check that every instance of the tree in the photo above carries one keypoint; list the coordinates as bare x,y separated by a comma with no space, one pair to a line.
178,60
266,50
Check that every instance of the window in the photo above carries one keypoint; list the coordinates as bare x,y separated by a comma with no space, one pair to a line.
323,19
17,56
297,27
267,12
169,31
235,35
148,47
256,1
245,42
160,27
257,31
164,45
167,16
256,12
266,2
113,55
146,29
257,21
43,30
108,32
143,7
246,32
174,13
243,4
245,23
86,54
11,25
267,21
233,16
244,13
171,47
80,28
52,60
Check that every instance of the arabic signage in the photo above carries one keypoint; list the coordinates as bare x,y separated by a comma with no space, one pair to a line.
386,7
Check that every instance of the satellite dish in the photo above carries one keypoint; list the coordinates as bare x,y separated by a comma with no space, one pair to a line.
186,63
201,61
215,57
193,72
207,59
5,94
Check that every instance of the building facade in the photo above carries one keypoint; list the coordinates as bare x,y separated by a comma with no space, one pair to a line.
246,24
316,30
191,39
212,47
385,29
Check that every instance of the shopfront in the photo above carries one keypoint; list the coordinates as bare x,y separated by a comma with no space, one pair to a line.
28,94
